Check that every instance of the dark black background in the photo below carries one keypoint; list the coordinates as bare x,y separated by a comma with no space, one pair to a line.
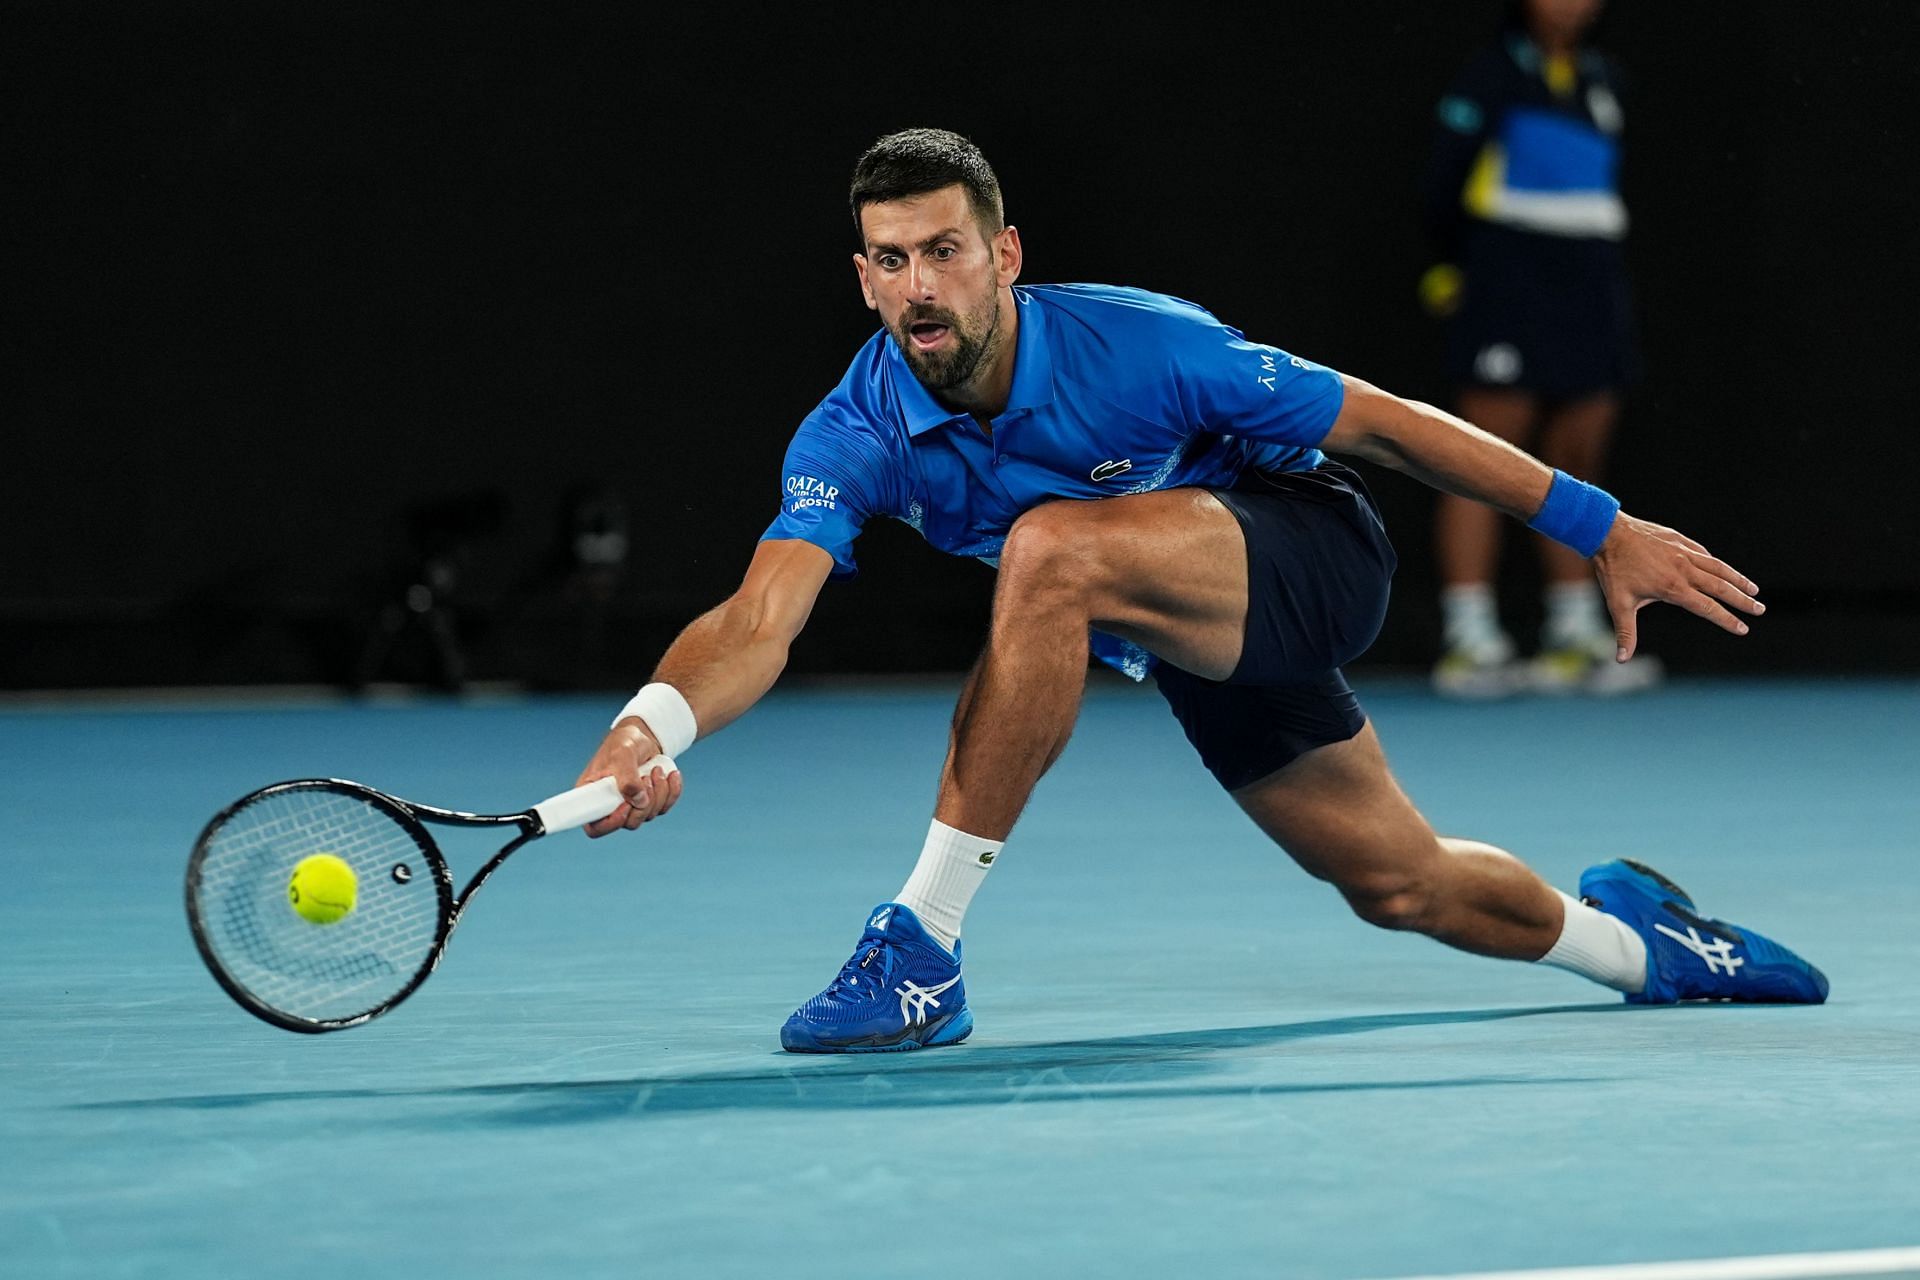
281,274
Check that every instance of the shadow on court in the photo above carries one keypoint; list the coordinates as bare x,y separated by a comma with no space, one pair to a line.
1163,1065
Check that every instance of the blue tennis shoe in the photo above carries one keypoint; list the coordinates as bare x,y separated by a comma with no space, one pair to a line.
1690,957
900,990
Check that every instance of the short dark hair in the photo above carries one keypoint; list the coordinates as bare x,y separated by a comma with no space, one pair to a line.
914,162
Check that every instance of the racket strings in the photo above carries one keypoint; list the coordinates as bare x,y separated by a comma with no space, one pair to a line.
319,972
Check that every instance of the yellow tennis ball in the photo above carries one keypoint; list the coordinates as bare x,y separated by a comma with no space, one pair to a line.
1441,288
323,889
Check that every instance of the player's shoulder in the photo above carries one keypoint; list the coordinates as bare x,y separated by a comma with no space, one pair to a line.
864,402
1110,309
860,420
1134,345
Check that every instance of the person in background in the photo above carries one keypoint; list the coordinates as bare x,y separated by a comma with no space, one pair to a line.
1522,201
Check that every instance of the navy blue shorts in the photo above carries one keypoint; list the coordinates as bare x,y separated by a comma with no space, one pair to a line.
1318,569
1544,314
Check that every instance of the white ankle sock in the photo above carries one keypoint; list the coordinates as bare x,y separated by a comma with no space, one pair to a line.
1470,615
1595,945
1576,613
952,865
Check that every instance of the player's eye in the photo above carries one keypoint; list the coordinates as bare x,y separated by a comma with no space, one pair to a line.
890,261
942,252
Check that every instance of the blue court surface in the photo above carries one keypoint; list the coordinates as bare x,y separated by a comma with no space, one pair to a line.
1191,1060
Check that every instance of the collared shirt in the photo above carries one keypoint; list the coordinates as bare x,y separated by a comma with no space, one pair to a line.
1115,391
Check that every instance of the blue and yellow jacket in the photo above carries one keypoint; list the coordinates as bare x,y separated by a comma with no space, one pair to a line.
1529,143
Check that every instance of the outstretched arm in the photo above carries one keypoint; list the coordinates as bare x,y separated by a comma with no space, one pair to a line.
1638,562
722,664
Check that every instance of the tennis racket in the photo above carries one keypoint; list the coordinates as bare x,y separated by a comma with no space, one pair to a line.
288,970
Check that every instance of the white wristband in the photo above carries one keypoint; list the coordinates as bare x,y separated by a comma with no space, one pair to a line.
668,717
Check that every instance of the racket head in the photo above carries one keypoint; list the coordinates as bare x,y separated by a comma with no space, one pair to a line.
286,969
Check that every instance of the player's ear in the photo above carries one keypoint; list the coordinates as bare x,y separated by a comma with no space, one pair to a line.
866,290
1007,255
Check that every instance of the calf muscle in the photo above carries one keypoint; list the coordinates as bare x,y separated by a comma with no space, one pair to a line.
1338,811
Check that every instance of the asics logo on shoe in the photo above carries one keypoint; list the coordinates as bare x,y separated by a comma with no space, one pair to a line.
915,1000
880,918
1718,954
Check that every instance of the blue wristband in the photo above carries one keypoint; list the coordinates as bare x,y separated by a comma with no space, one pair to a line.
1576,514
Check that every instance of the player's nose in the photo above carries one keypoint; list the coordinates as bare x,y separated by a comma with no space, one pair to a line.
920,281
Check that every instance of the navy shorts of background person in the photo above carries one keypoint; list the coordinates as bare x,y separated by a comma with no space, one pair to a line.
1151,485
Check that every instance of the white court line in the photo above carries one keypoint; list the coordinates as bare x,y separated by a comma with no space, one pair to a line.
1778,1266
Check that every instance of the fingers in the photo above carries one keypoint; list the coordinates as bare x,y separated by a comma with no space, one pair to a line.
1705,606
1626,621
640,804
633,811
1707,592
646,794
1668,566
613,822
1726,572
1705,559
667,787
658,788
650,796
622,818
1727,593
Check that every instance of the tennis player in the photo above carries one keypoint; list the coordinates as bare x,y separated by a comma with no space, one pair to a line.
1151,483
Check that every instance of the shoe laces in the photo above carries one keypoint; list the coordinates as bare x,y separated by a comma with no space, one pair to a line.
873,958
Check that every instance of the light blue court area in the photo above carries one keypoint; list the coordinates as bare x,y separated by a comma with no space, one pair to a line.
1191,1061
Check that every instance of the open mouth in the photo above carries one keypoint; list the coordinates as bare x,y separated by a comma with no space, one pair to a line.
927,334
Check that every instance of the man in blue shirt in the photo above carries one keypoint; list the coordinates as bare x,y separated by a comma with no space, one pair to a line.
1150,482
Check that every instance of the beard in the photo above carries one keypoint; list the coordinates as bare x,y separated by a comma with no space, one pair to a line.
972,342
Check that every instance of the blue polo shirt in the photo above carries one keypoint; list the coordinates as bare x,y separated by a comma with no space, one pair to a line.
1115,391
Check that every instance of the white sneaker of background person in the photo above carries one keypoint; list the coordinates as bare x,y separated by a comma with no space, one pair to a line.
1577,648
1479,660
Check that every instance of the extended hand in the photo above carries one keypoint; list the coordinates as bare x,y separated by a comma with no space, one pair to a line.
647,795
1641,562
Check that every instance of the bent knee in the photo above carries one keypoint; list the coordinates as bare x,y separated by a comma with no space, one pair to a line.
1051,550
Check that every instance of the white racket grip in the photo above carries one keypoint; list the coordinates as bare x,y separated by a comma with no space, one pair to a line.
578,807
